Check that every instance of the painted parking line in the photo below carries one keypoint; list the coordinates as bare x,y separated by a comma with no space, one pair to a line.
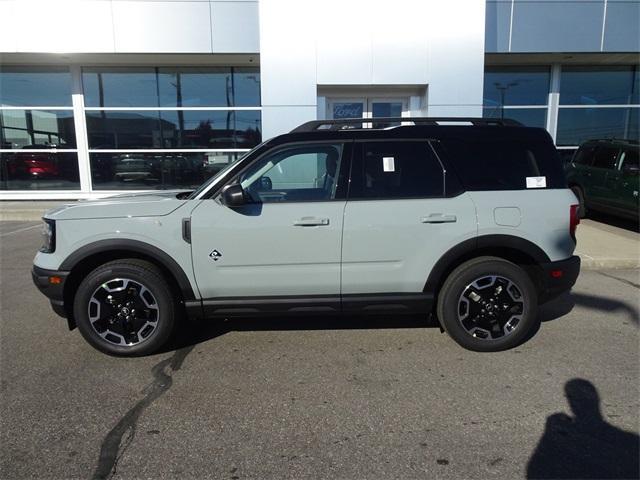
20,230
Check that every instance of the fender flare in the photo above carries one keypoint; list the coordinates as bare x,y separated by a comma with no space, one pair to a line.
133,246
468,247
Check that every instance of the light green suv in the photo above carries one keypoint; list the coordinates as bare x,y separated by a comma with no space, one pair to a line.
469,220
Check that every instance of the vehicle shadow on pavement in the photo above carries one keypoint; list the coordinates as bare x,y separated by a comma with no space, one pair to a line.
584,445
194,332
562,305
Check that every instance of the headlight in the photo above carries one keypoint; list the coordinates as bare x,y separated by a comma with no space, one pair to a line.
48,236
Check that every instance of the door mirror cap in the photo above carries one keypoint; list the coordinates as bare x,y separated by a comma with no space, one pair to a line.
233,196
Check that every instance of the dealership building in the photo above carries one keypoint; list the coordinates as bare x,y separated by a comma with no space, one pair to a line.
103,96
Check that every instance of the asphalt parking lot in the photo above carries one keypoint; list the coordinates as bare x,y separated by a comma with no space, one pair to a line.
337,398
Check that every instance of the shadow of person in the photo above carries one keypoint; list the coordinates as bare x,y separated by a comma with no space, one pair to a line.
585,445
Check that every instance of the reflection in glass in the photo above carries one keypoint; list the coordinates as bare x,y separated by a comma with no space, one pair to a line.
35,86
516,86
37,129
173,129
386,109
120,87
171,87
599,85
348,110
577,125
531,117
39,171
144,171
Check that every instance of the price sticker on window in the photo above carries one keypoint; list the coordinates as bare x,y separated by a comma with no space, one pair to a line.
388,164
536,182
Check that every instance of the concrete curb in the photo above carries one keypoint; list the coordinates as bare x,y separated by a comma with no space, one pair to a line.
591,263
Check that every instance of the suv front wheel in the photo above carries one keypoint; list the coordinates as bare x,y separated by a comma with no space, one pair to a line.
488,304
125,308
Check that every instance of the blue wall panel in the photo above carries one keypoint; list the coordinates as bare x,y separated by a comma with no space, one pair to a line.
557,26
622,27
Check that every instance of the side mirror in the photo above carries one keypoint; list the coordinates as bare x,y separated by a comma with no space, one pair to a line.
233,196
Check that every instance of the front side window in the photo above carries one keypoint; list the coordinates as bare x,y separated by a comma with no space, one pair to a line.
295,174
605,157
390,170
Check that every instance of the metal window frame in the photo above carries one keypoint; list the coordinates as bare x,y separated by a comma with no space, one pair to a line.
82,150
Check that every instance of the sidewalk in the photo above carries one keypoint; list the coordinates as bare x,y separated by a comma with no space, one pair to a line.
603,246
600,245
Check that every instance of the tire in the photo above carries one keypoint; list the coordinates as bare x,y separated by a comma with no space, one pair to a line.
471,290
125,308
582,209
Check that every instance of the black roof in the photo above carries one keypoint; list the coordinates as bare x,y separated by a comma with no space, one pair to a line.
423,128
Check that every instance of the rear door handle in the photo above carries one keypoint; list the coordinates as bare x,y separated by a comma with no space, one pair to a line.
439,218
311,222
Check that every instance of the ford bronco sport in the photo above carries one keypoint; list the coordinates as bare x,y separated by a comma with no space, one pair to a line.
467,219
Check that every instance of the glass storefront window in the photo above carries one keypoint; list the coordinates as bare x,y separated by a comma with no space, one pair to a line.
35,86
531,117
516,86
39,171
577,125
144,171
612,85
171,87
173,129
37,129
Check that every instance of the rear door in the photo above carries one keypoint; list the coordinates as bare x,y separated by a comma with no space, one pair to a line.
627,182
601,189
398,220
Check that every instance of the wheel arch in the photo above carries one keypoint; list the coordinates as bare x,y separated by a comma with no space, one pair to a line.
92,255
515,249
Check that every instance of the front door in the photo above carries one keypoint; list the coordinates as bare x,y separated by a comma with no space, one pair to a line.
286,241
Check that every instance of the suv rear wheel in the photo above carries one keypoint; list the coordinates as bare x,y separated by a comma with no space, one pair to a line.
125,308
488,304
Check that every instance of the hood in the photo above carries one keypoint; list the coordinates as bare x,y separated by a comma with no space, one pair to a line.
145,204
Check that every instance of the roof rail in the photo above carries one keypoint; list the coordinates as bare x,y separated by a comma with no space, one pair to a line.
352,123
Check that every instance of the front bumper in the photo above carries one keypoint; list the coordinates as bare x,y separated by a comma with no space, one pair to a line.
42,279
558,277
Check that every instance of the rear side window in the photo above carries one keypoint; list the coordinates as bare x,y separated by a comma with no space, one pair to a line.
388,170
605,157
584,156
504,164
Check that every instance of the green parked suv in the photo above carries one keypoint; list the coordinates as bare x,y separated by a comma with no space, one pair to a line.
603,174
469,220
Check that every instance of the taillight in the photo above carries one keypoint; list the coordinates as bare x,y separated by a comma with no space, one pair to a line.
574,220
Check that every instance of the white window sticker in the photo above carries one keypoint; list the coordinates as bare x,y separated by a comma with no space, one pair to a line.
388,164
536,182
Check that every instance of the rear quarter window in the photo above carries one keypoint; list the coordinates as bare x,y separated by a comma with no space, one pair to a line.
498,164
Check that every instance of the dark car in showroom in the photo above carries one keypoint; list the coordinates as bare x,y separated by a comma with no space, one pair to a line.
603,174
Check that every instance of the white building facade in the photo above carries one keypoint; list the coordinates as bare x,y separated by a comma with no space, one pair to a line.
103,96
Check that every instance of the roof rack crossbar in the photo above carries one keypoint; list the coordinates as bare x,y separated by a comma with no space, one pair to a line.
351,123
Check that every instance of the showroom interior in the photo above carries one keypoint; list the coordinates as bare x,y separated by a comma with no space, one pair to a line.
198,83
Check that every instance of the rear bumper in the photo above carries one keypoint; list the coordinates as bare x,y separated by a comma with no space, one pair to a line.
558,277
53,291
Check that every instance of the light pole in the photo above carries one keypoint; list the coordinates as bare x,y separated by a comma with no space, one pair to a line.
503,90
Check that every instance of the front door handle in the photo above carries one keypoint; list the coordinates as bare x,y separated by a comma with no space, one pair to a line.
311,222
439,218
